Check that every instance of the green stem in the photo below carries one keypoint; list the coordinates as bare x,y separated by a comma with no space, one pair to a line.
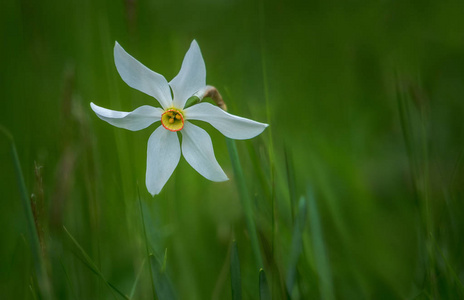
270,145
146,243
245,200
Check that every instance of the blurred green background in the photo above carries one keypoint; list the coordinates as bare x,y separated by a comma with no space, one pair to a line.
365,105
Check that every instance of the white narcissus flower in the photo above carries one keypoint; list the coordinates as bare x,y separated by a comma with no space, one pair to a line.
164,149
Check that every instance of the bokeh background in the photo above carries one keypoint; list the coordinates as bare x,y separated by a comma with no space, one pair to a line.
356,187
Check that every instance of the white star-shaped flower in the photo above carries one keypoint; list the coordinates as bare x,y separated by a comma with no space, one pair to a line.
164,149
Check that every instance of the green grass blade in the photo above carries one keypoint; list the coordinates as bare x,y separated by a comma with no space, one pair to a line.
235,277
85,258
146,241
297,244
260,172
403,109
33,292
33,238
134,286
270,144
414,125
163,286
291,180
165,260
72,290
450,268
320,253
264,292
245,200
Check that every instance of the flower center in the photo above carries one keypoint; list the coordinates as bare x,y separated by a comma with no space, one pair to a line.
172,119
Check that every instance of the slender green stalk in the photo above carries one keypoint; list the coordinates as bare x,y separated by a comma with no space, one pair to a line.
33,238
291,181
260,172
146,243
427,213
264,293
245,200
72,290
450,268
93,267
320,253
33,292
235,277
414,128
297,244
134,286
164,289
274,277
161,285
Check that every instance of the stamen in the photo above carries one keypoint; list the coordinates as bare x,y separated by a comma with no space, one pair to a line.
172,119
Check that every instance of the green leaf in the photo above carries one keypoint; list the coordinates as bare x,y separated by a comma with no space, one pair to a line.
235,277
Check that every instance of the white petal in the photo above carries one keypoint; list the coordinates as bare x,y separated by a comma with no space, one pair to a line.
137,119
163,155
141,78
191,77
197,149
231,126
